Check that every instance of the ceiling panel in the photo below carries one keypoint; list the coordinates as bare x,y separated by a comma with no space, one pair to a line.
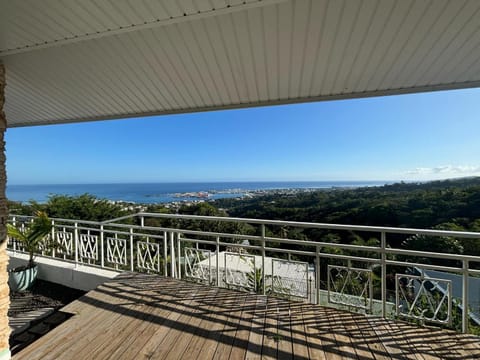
79,61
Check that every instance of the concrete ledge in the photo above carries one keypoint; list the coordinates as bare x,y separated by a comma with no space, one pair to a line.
82,277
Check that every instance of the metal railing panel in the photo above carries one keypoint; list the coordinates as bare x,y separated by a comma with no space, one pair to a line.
88,247
116,251
290,278
148,256
197,265
423,298
240,271
350,287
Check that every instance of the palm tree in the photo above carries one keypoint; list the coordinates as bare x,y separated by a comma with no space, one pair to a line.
34,236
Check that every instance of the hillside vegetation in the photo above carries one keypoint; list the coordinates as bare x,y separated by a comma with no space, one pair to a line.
419,205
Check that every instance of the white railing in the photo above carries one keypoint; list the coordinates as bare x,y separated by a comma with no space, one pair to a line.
258,255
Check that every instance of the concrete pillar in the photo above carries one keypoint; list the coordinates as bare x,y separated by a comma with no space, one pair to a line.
4,290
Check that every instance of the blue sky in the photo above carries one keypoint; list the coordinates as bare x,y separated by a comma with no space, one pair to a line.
409,137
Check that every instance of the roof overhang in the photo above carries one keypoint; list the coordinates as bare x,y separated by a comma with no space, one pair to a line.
74,61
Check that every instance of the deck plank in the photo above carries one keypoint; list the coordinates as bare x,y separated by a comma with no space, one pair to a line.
203,330
139,316
284,330
343,338
151,320
154,341
360,335
115,323
270,330
255,338
313,333
385,342
299,335
239,350
216,324
193,324
119,332
326,325
61,340
227,336
178,327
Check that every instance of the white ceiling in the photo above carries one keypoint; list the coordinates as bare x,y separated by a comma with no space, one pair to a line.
86,60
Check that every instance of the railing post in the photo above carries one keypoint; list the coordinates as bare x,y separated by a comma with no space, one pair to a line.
465,296
179,272
76,243
172,255
132,267
310,288
142,221
14,222
52,234
383,254
65,251
165,254
317,275
102,251
218,260
264,290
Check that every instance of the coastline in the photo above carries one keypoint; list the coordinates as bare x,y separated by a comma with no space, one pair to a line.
166,193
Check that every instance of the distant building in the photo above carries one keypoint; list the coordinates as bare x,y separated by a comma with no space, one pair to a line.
240,269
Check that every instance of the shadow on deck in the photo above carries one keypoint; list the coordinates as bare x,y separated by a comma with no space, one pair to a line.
139,316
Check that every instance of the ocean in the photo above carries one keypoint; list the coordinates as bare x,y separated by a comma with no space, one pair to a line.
149,193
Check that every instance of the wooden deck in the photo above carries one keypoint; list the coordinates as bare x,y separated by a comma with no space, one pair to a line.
151,317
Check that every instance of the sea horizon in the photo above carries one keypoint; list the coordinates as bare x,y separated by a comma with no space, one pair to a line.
164,192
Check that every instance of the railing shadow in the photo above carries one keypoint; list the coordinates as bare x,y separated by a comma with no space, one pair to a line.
275,326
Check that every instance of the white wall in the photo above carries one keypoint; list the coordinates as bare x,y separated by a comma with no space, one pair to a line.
83,277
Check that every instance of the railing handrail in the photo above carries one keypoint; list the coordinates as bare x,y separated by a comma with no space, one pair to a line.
366,228
375,249
300,224
90,222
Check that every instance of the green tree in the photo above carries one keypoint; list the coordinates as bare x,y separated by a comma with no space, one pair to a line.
472,246
436,244
83,207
